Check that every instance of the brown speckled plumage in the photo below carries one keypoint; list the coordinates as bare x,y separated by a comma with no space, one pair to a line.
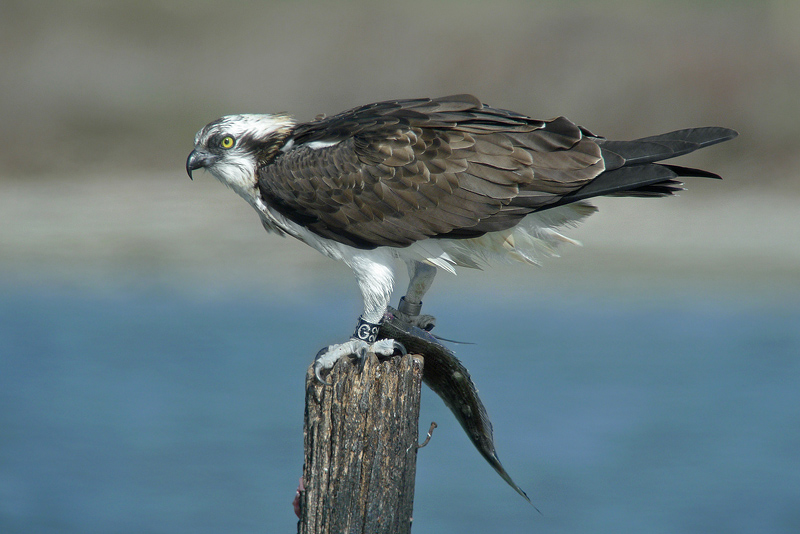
406,170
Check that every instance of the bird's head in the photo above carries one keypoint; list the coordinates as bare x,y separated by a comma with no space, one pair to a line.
232,147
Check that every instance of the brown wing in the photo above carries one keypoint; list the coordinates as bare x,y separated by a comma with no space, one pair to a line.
408,170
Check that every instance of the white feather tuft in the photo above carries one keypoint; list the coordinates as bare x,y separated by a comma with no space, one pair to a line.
536,237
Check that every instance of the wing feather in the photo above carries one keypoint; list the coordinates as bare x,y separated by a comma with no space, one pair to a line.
396,172
400,171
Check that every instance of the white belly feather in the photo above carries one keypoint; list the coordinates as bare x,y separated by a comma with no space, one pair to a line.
537,236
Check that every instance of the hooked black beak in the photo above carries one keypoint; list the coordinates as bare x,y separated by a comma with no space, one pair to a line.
197,160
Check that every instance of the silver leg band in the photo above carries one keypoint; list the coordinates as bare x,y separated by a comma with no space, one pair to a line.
408,308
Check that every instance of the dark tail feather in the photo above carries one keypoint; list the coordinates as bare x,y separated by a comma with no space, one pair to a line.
661,147
631,171
662,188
647,180
691,171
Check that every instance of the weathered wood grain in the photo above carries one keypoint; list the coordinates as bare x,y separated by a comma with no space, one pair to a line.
360,438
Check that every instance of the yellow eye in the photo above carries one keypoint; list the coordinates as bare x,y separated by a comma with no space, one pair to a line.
227,142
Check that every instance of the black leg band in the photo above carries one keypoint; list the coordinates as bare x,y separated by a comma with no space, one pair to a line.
408,308
366,331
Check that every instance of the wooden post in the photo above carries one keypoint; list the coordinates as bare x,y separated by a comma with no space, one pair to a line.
360,438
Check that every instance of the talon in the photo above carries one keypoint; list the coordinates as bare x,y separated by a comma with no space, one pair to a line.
387,347
321,380
328,356
319,366
410,314
425,322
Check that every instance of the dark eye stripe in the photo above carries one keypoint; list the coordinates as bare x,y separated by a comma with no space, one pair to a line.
216,140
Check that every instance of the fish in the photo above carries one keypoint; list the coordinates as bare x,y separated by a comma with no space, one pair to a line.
447,376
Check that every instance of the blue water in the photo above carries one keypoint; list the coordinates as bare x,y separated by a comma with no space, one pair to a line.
157,411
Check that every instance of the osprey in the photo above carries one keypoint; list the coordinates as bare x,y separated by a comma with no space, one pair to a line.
437,183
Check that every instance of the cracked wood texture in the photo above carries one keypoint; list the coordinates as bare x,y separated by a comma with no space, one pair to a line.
360,438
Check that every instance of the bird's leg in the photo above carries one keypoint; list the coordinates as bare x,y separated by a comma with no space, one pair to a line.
375,278
420,279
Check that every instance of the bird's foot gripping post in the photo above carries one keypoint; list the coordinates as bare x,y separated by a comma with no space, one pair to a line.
363,343
359,468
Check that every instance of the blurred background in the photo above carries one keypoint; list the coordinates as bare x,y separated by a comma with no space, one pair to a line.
154,339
